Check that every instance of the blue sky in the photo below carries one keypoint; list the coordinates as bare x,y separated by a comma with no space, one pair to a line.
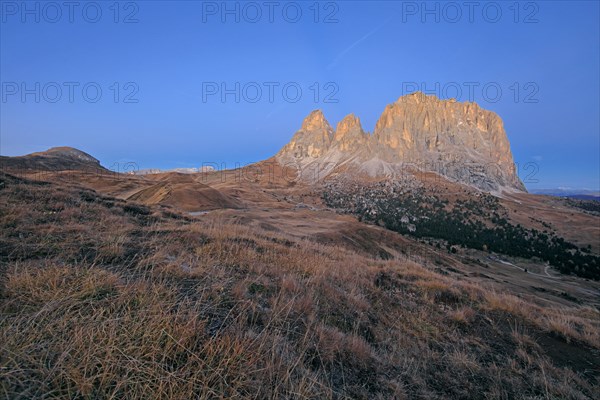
161,68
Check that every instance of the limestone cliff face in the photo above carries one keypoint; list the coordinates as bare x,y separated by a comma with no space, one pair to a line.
418,124
461,141
312,140
349,135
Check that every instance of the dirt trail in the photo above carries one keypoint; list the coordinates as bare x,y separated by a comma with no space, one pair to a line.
547,275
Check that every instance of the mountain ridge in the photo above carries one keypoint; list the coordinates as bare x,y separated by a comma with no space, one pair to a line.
458,140
53,159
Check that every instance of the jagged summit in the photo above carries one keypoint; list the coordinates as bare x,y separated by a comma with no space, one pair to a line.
315,120
421,97
312,140
458,140
349,134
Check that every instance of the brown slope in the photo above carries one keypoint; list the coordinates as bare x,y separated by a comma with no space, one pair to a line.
54,159
184,192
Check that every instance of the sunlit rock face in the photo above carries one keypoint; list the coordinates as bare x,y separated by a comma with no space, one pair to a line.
460,141
313,138
349,135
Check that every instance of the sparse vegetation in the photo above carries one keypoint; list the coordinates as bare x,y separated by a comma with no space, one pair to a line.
591,206
478,223
100,298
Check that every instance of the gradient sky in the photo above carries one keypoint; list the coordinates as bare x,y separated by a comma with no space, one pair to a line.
544,56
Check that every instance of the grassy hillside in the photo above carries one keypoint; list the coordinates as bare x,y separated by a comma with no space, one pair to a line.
478,223
101,298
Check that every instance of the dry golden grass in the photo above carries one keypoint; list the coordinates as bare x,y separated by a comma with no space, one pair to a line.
105,299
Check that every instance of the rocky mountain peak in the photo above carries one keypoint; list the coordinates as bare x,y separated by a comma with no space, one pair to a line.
349,123
312,140
69,152
460,141
417,98
54,159
349,134
316,120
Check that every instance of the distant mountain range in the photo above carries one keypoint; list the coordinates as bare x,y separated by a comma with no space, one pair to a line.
206,168
68,158
458,141
580,194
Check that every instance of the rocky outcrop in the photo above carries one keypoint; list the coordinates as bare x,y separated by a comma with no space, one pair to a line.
460,141
66,152
312,140
349,135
